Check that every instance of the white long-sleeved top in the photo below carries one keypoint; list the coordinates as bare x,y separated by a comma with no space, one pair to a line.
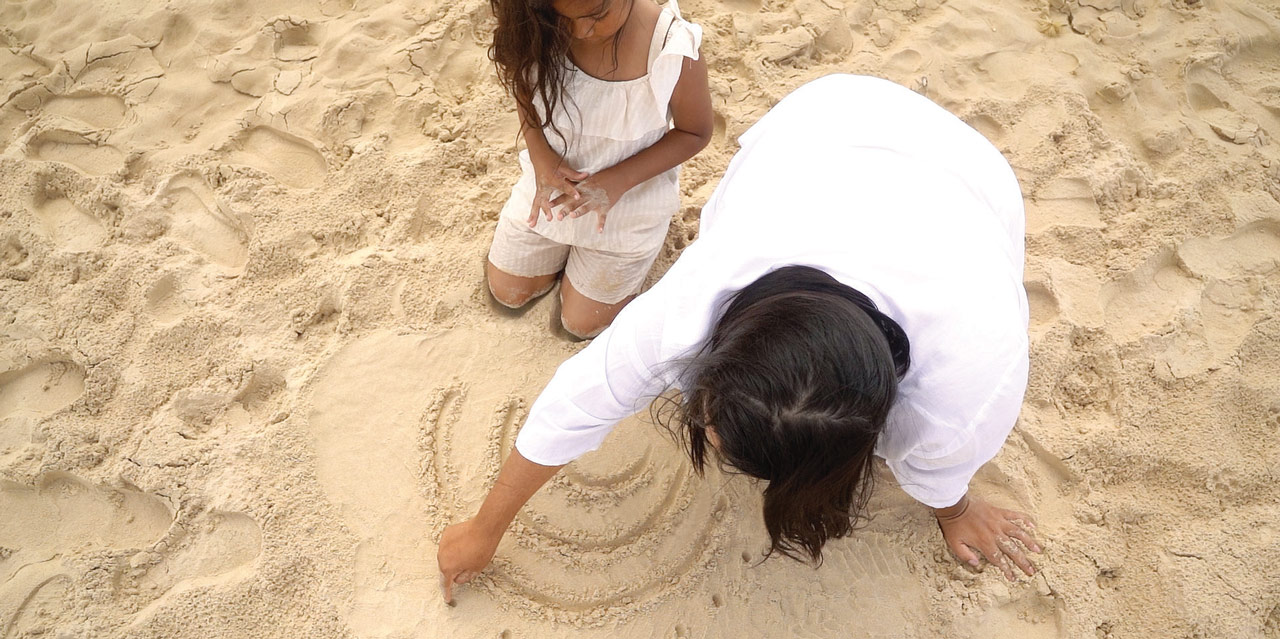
886,192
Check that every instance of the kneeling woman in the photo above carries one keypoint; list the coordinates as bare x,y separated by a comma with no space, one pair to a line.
856,291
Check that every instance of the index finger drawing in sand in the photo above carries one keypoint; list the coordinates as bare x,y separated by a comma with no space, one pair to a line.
612,96
886,318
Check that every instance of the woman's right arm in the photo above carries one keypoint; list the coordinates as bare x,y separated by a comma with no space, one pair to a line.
610,379
467,547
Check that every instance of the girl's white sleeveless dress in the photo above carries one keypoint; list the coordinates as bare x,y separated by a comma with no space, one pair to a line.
604,123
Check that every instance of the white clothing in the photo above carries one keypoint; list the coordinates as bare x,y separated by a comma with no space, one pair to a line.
604,123
884,191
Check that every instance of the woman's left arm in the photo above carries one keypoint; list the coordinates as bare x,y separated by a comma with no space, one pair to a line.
693,122
973,525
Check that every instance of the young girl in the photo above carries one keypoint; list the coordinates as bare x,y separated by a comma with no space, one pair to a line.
612,97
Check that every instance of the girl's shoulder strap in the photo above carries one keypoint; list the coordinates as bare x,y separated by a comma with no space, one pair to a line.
662,31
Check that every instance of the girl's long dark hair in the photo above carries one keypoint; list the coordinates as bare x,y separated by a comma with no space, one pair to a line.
530,49
796,380
530,46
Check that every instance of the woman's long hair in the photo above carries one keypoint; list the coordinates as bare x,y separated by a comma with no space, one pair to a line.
796,381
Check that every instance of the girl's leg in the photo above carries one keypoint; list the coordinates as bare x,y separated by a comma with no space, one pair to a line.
514,291
597,284
582,316
522,264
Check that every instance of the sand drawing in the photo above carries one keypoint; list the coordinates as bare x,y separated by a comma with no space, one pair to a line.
570,556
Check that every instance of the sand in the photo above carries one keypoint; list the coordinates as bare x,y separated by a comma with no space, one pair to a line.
248,368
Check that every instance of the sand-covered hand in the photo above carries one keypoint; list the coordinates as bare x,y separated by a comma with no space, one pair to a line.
464,552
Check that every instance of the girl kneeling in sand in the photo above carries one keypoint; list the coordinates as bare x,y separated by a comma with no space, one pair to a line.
612,97
855,291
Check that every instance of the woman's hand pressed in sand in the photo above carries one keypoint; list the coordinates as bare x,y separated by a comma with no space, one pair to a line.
467,548
974,526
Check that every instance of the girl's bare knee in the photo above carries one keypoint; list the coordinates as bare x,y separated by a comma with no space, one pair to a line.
579,328
509,297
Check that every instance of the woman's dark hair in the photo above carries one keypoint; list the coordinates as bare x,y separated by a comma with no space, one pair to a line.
530,49
796,380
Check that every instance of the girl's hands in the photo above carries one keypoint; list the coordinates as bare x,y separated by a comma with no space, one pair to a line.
596,194
465,550
550,179
973,525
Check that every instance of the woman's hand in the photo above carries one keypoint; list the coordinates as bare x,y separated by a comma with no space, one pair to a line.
973,525
596,194
465,550
550,178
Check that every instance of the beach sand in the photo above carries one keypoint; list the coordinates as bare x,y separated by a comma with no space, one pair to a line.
249,369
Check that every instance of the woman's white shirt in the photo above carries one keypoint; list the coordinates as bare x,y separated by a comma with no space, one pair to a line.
886,192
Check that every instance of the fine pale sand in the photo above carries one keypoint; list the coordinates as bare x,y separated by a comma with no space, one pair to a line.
248,368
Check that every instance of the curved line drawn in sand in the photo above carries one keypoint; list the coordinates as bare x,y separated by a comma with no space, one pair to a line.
288,158
405,447
70,147
202,222
68,226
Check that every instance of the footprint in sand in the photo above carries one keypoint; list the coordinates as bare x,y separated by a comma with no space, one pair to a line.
1044,306
288,158
63,516
869,576
203,223
1036,613
69,147
30,393
12,252
165,299
68,226
410,431
40,388
1063,202
101,111
1254,249
1220,90
1147,299
293,41
218,550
